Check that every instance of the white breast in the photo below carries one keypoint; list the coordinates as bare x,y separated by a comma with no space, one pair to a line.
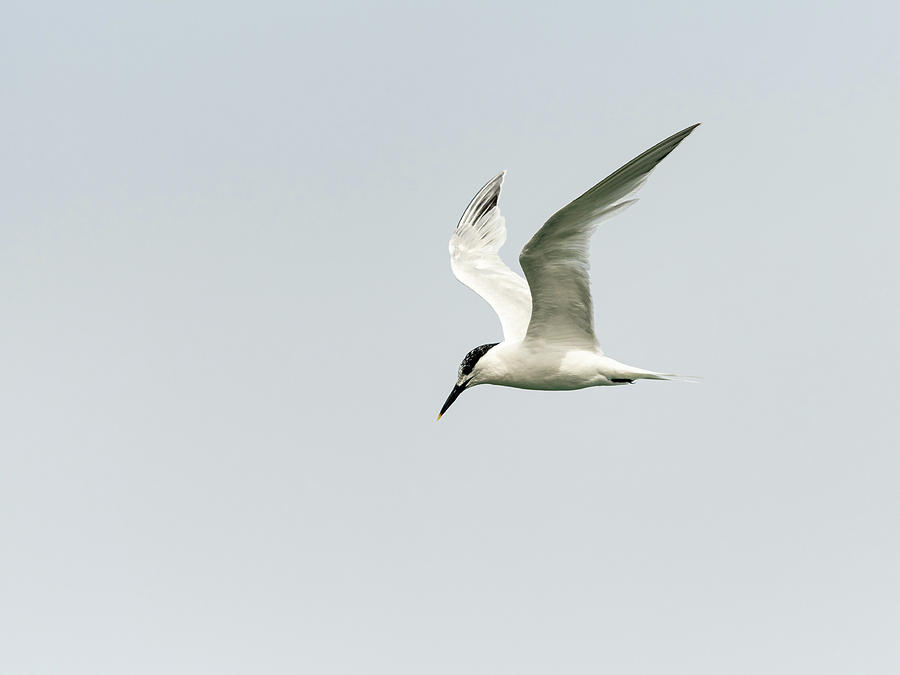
544,367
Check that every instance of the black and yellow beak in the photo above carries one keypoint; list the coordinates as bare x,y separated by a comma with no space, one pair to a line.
457,390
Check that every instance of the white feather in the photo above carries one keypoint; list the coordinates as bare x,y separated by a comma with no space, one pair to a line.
548,321
555,260
474,260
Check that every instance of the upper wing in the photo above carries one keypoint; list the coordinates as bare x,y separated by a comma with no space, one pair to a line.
556,263
473,258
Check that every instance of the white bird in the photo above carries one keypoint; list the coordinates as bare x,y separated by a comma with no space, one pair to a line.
548,321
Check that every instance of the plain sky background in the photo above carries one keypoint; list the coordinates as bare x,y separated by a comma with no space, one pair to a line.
228,322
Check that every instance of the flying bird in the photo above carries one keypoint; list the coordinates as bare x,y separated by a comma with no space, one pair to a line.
547,317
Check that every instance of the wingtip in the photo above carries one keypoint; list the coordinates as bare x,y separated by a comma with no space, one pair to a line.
497,180
672,141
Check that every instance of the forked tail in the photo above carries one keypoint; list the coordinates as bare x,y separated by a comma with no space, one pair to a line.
696,379
639,374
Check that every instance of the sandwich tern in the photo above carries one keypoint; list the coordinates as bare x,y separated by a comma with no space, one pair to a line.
548,320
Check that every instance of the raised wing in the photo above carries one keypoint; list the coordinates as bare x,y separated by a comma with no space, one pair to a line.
473,258
556,263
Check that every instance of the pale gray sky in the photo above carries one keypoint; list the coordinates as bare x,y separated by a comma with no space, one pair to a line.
229,322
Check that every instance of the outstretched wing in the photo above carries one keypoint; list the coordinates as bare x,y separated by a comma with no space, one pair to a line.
473,258
556,263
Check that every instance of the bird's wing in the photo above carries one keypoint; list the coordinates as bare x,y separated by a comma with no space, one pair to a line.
555,260
473,258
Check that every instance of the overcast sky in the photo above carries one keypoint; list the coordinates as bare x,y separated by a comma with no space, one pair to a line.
228,323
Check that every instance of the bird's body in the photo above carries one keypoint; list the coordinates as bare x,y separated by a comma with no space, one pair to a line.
547,321
554,367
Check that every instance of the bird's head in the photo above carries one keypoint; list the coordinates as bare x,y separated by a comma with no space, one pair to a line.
471,372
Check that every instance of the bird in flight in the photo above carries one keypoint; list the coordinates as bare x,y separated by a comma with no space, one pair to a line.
548,320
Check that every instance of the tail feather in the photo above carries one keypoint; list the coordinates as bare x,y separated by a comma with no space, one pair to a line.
696,379
639,374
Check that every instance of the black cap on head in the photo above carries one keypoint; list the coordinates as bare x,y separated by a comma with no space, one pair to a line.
465,368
